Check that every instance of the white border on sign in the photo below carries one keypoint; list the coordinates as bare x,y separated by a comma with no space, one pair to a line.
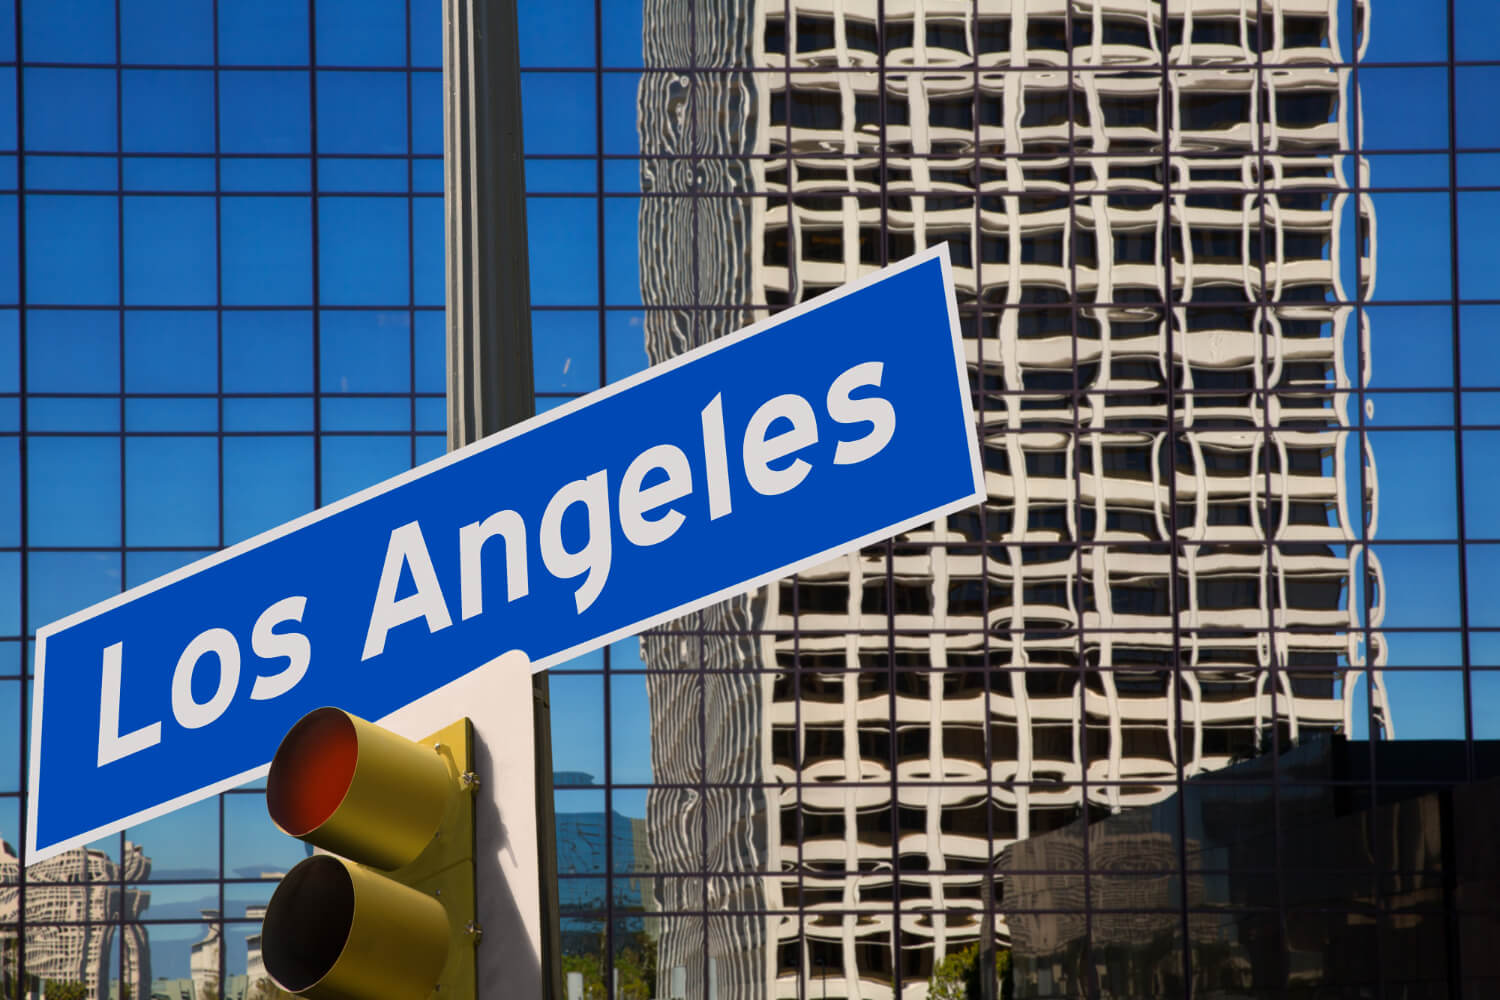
939,252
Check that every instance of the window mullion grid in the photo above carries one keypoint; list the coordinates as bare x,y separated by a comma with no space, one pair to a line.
411,241
1075,591
1374,725
1466,652
1169,320
987,900
315,211
1276,632
27,639
117,917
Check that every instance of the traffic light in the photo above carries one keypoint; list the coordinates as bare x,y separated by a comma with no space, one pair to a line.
336,929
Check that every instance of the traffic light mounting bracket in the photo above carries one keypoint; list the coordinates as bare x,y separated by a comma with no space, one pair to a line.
445,869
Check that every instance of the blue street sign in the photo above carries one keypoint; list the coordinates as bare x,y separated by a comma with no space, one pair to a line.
834,425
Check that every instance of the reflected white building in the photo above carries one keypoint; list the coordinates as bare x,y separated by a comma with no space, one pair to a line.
203,963
255,962
76,905
1147,428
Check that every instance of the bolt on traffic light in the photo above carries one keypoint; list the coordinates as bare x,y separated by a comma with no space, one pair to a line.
337,930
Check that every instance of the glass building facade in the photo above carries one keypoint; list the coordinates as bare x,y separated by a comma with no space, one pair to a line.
1201,701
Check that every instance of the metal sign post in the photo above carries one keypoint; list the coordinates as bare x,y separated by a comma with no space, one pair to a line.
489,363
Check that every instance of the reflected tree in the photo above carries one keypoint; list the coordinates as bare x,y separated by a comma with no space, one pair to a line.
14,984
265,989
635,969
636,966
960,976
61,989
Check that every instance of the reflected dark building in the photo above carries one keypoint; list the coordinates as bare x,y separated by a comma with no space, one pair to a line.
582,850
1151,270
1300,875
77,903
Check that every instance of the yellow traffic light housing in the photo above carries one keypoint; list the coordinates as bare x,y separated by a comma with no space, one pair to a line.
335,929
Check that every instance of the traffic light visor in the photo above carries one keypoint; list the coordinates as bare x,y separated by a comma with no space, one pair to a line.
356,789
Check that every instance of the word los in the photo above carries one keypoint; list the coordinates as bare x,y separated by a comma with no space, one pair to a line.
647,501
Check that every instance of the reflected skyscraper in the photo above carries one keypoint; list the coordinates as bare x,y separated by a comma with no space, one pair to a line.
86,895
1152,268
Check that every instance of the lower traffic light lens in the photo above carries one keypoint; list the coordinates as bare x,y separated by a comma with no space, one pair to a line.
335,930
311,913
311,772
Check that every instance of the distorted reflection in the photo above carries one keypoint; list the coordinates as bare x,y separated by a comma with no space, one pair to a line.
1153,270
1378,886
98,928
82,895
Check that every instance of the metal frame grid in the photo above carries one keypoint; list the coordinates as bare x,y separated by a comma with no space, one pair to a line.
1071,327
86,916
750,893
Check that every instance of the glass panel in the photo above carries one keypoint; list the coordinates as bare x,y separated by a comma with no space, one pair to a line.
1414,254
567,125
557,36
1476,243
565,350
266,251
1415,495
10,749
166,31
69,110
59,583
1392,98
72,250
268,352
68,509
170,251
172,491
69,31
263,112
352,463
1420,584
180,846
263,32
363,251
168,111
361,112
1429,704
267,481
355,32
561,225
1476,117
253,846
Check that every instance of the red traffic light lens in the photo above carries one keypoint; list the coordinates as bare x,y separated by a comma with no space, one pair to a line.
312,771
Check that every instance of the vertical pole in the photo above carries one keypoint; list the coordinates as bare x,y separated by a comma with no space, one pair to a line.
489,307
489,298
